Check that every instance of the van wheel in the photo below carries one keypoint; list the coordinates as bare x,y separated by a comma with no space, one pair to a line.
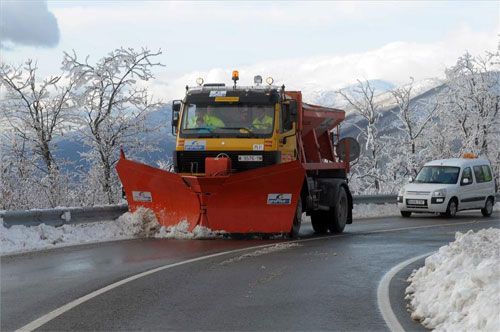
297,221
405,214
452,208
319,221
488,208
338,215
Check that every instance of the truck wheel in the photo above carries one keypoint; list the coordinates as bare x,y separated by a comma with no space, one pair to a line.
405,214
452,208
339,212
297,221
488,208
319,221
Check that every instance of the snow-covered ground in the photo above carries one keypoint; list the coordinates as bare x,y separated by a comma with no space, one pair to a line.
458,288
374,210
140,224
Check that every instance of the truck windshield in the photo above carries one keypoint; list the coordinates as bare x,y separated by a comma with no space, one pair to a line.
235,120
438,174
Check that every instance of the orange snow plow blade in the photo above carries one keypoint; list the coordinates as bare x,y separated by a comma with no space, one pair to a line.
262,200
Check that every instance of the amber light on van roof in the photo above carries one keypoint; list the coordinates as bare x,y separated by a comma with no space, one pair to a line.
469,155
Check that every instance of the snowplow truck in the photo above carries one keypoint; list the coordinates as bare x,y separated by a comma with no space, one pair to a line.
248,159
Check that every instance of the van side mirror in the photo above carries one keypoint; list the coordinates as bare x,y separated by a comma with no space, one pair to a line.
411,179
465,181
176,109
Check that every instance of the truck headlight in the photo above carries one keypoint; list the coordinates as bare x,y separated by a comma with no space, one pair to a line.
439,193
401,192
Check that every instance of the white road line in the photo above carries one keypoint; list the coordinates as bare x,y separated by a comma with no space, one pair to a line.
383,299
61,310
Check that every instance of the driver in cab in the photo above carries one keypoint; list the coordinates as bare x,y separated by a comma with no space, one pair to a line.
205,119
262,120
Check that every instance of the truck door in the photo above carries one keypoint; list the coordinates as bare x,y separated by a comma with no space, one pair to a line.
287,139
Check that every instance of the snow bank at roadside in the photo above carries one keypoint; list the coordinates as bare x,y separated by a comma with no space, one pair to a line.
374,210
458,288
139,224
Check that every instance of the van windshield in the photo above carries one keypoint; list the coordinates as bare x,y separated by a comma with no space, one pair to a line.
438,174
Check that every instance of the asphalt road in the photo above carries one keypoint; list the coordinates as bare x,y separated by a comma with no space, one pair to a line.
321,283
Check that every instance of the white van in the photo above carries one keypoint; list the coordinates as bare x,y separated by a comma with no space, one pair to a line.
450,185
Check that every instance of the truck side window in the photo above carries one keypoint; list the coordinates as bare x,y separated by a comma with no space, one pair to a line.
466,174
286,123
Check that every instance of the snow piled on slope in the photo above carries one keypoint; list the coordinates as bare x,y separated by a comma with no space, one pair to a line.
140,224
458,289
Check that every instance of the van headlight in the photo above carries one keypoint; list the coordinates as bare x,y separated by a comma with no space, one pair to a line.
401,192
439,193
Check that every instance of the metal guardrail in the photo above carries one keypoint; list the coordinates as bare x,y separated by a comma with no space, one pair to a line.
78,215
61,216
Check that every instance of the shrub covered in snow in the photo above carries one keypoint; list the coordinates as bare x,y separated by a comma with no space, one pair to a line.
458,289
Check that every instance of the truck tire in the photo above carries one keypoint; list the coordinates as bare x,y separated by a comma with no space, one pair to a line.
488,208
406,214
319,221
340,211
297,221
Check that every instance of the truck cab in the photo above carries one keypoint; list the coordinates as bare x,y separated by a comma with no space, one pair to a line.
253,126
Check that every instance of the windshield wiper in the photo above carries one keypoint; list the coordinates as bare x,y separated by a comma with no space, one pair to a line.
198,128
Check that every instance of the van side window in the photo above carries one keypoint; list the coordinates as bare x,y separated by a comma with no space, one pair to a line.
482,173
487,173
466,174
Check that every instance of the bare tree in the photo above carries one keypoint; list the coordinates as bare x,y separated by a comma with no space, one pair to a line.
362,102
114,107
37,111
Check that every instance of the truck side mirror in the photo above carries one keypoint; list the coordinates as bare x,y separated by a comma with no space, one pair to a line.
293,110
176,109
288,114
410,179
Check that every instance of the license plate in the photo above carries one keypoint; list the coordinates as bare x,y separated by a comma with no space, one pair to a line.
249,158
416,201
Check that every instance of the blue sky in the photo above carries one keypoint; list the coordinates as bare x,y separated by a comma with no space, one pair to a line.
319,44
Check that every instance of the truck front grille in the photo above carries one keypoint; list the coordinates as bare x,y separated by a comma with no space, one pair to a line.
194,161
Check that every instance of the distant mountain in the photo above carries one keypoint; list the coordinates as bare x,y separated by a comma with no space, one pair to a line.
331,98
72,144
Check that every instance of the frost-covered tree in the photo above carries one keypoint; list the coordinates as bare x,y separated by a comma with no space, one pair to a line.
413,118
113,108
37,111
470,105
361,100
